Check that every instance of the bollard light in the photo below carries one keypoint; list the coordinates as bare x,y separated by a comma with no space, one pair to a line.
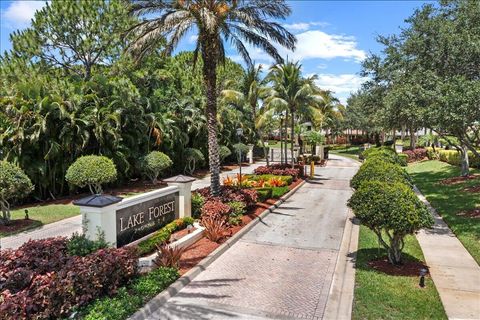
423,272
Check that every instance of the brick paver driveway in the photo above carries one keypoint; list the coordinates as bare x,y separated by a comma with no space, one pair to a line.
283,267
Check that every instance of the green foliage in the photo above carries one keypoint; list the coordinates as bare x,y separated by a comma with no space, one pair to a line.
237,210
14,184
454,157
129,299
192,156
277,192
240,147
403,160
314,137
162,235
91,171
264,194
197,203
154,163
379,170
224,153
79,245
266,177
392,209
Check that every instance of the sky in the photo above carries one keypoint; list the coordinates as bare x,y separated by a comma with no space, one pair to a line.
333,36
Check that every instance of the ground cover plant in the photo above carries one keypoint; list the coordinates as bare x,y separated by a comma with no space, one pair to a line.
452,201
42,280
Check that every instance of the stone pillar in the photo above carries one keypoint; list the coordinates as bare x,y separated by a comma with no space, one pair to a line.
184,185
320,151
98,214
399,148
250,154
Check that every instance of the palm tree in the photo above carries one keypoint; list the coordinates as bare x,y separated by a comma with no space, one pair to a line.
216,21
290,92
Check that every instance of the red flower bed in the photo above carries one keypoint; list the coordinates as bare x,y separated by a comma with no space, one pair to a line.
228,194
417,154
41,281
281,170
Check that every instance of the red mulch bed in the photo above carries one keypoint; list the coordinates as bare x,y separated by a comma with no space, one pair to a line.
473,189
457,180
408,268
180,234
203,247
474,213
19,225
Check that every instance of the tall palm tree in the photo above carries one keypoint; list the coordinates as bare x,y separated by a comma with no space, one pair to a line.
290,92
215,21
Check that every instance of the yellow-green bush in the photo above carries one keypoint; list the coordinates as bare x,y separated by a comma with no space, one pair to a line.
454,157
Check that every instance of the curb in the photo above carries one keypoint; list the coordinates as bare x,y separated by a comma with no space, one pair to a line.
156,302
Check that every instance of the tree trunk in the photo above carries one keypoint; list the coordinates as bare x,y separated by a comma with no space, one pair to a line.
465,163
210,80
5,208
281,141
286,138
292,131
412,138
265,152
395,250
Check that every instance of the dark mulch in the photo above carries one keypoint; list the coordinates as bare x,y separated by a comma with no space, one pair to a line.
408,268
19,225
457,180
474,213
473,189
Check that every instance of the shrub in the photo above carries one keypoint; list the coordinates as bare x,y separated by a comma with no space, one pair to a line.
130,299
224,152
432,154
247,196
154,163
215,227
392,210
417,154
63,282
215,207
241,147
192,158
277,192
197,203
454,157
370,151
162,235
237,210
403,159
280,170
264,194
79,245
168,256
377,169
14,184
91,171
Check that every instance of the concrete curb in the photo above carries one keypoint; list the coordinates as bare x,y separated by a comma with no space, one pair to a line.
341,295
181,282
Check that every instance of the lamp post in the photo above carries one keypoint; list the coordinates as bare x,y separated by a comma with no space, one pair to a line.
239,135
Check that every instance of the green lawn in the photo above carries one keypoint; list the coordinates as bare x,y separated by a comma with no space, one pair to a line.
349,152
450,200
276,144
382,296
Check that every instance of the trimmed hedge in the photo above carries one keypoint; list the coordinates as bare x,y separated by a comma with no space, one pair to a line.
403,159
149,245
154,163
380,170
91,171
264,194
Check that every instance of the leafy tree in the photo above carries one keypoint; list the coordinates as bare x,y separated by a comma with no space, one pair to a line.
313,138
154,163
193,157
91,171
14,184
75,35
392,211
215,20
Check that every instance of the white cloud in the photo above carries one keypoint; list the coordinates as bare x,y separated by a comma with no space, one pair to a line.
193,38
19,13
316,44
340,84
303,26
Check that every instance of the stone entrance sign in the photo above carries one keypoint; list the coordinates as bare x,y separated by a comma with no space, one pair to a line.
141,219
124,221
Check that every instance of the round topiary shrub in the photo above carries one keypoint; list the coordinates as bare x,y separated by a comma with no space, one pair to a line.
391,211
154,163
379,170
14,184
91,171
192,158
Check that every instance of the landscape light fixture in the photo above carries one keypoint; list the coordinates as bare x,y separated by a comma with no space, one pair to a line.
239,135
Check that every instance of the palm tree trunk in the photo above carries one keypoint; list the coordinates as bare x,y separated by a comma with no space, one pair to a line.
281,141
286,138
210,79
265,152
292,131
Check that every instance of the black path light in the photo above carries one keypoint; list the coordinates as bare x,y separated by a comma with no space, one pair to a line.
239,135
423,272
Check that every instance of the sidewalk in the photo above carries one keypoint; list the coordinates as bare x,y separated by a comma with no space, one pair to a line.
283,267
455,273
68,226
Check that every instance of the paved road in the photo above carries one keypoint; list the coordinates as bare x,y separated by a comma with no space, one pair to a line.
74,224
283,267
